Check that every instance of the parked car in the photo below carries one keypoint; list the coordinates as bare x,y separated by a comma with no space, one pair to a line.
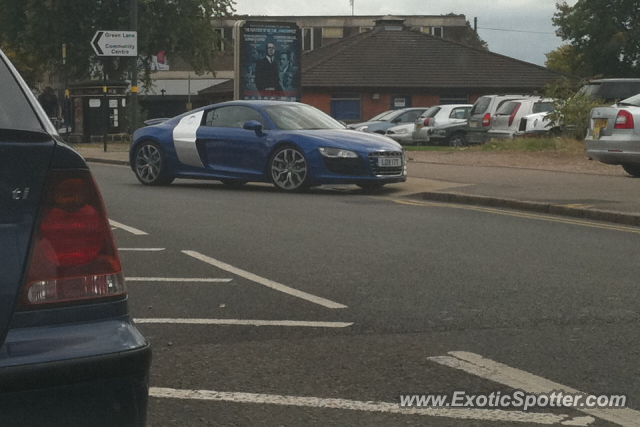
611,90
613,136
481,116
289,144
383,121
451,134
506,120
402,134
69,352
538,125
439,115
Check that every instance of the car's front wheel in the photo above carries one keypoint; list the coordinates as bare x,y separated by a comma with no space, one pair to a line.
457,140
632,169
150,165
288,169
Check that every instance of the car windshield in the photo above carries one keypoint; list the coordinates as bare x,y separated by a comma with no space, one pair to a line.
542,107
633,101
387,115
15,111
430,112
300,117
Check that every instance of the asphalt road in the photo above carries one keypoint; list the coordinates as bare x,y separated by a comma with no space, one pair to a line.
342,301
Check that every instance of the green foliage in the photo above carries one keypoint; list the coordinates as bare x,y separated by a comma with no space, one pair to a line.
604,35
572,109
565,60
41,28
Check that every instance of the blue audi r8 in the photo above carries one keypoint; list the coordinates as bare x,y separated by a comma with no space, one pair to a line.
290,144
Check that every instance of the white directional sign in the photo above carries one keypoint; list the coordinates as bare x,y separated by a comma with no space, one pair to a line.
115,43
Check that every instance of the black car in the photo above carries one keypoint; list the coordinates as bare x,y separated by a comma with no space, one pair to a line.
452,134
70,354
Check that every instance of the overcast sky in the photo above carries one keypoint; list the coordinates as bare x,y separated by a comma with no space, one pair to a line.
520,29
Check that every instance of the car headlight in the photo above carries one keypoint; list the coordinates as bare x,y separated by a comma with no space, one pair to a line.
362,128
337,153
400,131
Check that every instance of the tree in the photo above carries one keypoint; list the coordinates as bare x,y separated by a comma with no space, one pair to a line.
467,36
565,60
605,35
40,28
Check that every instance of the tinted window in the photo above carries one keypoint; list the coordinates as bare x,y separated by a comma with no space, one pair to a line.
232,117
542,107
481,105
409,116
15,110
300,117
507,109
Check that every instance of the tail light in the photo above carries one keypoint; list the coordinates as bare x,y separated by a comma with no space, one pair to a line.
74,257
624,120
427,121
513,115
486,120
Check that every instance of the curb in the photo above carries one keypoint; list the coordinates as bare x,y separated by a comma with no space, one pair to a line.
107,161
538,207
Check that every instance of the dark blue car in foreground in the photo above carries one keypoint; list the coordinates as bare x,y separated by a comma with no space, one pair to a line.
292,145
69,352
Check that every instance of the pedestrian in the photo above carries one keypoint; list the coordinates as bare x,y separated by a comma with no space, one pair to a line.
50,104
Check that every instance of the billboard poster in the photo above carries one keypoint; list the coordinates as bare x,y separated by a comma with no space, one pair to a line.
269,66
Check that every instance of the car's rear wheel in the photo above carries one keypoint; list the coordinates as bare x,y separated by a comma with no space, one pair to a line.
288,169
632,169
457,140
150,165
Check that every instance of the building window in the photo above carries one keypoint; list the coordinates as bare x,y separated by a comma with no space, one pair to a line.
225,38
332,32
365,29
311,38
436,31
345,106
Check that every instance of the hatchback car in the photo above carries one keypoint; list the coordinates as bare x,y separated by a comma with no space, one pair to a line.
613,136
383,121
611,90
482,113
69,352
439,115
506,121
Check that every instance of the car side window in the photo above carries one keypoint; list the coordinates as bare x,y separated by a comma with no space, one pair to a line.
409,116
233,116
459,113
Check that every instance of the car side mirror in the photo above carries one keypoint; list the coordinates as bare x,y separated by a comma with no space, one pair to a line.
253,125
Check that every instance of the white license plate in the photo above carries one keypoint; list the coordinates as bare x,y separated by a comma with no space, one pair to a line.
598,125
473,124
386,162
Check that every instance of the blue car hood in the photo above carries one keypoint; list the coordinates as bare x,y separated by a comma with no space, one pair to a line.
350,139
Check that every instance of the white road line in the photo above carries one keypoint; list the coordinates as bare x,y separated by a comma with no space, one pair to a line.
142,249
266,282
355,405
244,322
515,378
127,228
176,279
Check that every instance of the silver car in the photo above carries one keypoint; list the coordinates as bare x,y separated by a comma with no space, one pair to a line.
506,121
613,137
439,115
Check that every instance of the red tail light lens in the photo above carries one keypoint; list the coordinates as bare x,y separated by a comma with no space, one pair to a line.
513,115
74,257
427,121
624,120
486,120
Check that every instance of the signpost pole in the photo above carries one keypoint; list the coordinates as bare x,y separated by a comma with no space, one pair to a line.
134,69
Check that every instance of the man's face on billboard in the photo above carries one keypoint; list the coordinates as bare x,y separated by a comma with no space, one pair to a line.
271,49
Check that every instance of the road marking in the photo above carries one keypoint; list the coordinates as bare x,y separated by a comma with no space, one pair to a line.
265,282
515,378
244,322
142,249
176,279
541,217
127,228
355,405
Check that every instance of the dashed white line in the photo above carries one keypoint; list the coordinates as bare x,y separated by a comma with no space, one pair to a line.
245,322
266,282
127,228
518,379
384,407
177,279
142,249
